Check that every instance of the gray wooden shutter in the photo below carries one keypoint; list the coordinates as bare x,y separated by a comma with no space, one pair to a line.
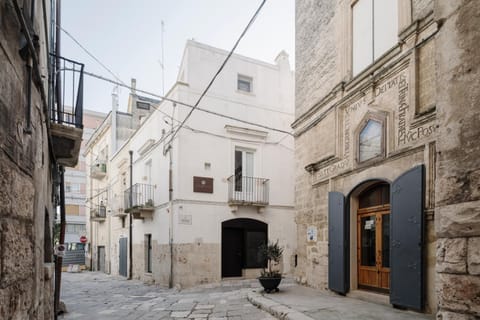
406,246
337,243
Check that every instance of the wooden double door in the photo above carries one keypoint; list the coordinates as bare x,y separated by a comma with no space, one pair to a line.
373,248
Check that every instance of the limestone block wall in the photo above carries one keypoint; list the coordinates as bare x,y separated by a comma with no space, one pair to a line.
457,193
315,52
196,263
26,210
332,104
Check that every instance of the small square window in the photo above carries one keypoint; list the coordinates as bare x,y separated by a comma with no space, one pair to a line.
244,83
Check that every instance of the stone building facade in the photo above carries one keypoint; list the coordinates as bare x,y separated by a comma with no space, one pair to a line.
385,154
37,138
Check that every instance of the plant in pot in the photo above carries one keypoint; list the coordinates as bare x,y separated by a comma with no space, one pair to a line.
271,277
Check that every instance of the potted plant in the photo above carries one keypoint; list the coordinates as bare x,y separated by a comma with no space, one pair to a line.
271,277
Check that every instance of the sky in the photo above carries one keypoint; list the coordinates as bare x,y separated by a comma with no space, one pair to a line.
125,35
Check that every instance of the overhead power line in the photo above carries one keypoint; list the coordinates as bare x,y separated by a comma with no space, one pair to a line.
90,54
218,72
121,84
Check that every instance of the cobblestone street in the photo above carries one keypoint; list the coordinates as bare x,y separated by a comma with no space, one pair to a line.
93,295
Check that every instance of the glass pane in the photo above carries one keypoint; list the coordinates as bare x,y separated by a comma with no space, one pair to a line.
385,20
249,164
368,241
375,196
238,170
244,85
362,35
253,240
386,240
370,142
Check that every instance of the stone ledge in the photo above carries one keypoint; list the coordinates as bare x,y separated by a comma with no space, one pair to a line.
276,309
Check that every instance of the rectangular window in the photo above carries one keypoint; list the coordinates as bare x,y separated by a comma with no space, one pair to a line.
375,31
72,210
244,83
148,253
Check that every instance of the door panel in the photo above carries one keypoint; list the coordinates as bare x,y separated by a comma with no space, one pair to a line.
101,259
373,247
122,262
232,250
337,243
406,246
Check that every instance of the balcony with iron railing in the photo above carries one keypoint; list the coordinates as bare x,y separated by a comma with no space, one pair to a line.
140,201
98,213
99,169
247,191
66,123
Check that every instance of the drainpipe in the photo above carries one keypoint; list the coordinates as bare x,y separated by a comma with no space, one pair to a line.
170,208
58,18
59,259
170,200
130,244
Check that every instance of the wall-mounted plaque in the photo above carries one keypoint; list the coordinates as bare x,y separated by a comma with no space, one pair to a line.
203,184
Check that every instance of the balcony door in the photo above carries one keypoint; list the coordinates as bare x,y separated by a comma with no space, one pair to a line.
243,174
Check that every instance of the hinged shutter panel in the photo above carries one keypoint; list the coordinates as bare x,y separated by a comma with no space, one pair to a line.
337,244
406,247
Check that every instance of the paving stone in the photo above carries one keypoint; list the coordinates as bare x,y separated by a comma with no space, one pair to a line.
180,314
93,295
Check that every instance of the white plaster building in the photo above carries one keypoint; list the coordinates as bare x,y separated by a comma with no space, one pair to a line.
231,182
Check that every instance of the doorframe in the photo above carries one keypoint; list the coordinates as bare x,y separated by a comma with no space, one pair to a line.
240,220
351,207
373,211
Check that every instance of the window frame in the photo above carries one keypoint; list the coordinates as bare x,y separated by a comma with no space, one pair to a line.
244,78
374,57
382,119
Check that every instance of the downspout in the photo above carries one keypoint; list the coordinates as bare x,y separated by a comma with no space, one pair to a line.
58,75
59,259
170,201
130,233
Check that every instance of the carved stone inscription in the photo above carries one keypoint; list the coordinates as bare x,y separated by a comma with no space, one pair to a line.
391,96
405,134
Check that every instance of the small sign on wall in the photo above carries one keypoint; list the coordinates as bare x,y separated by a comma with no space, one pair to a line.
203,184
311,233
185,219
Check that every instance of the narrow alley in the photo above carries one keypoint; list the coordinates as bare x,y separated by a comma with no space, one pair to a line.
95,295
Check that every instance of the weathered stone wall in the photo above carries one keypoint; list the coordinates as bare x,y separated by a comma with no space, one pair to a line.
315,52
26,212
193,264
398,90
457,192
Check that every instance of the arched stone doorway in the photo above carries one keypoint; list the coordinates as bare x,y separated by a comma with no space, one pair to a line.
240,241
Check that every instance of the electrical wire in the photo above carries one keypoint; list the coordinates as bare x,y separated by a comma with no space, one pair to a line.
90,54
120,84
219,70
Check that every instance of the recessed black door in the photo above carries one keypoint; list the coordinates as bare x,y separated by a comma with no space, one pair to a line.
232,250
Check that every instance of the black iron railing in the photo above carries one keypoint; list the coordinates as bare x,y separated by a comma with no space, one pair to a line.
142,197
67,84
98,212
248,190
